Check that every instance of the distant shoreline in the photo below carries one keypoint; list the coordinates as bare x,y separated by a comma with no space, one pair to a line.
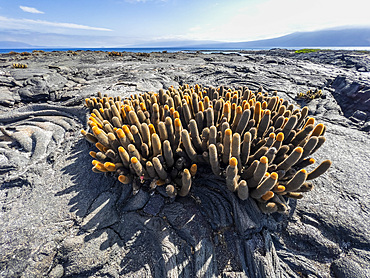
179,49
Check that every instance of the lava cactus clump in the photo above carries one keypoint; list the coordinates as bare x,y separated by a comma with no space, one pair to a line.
258,144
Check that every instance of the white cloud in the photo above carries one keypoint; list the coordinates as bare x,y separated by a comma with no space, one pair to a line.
30,10
31,24
271,18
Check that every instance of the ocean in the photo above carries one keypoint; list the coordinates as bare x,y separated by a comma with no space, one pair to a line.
175,49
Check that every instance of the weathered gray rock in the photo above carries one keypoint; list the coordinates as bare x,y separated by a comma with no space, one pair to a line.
59,219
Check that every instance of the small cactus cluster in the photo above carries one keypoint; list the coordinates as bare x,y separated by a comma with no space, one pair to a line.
20,66
310,94
72,52
115,53
143,54
259,144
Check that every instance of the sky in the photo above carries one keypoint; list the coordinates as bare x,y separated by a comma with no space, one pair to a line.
122,23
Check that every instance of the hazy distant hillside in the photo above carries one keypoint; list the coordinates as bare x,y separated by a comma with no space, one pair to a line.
12,44
333,38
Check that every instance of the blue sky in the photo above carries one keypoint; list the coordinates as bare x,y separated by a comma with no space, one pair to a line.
89,23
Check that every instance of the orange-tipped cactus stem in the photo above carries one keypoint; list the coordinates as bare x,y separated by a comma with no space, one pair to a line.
205,138
235,149
301,135
279,188
257,112
296,182
213,160
243,122
103,139
291,159
310,121
227,145
89,137
193,169
238,115
290,124
111,167
113,142
168,153
194,134
122,138
272,103
258,173
278,141
309,147
247,140
185,139
243,190
267,196
100,147
227,111
156,145
209,117
116,113
186,112
146,136
137,166
304,113
128,133
185,183
264,123
231,172
265,186
125,158
171,191
170,132
133,152
317,130
294,195
321,140
178,128
124,179
150,169
162,174
212,135
99,166
162,131
319,170
267,208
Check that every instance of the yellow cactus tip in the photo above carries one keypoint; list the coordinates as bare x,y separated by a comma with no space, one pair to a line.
298,150
122,178
96,130
95,162
186,171
280,137
83,132
304,171
177,122
268,195
233,162
280,188
134,160
120,133
264,160
228,132
267,112
274,175
121,149
272,135
160,182
312,160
